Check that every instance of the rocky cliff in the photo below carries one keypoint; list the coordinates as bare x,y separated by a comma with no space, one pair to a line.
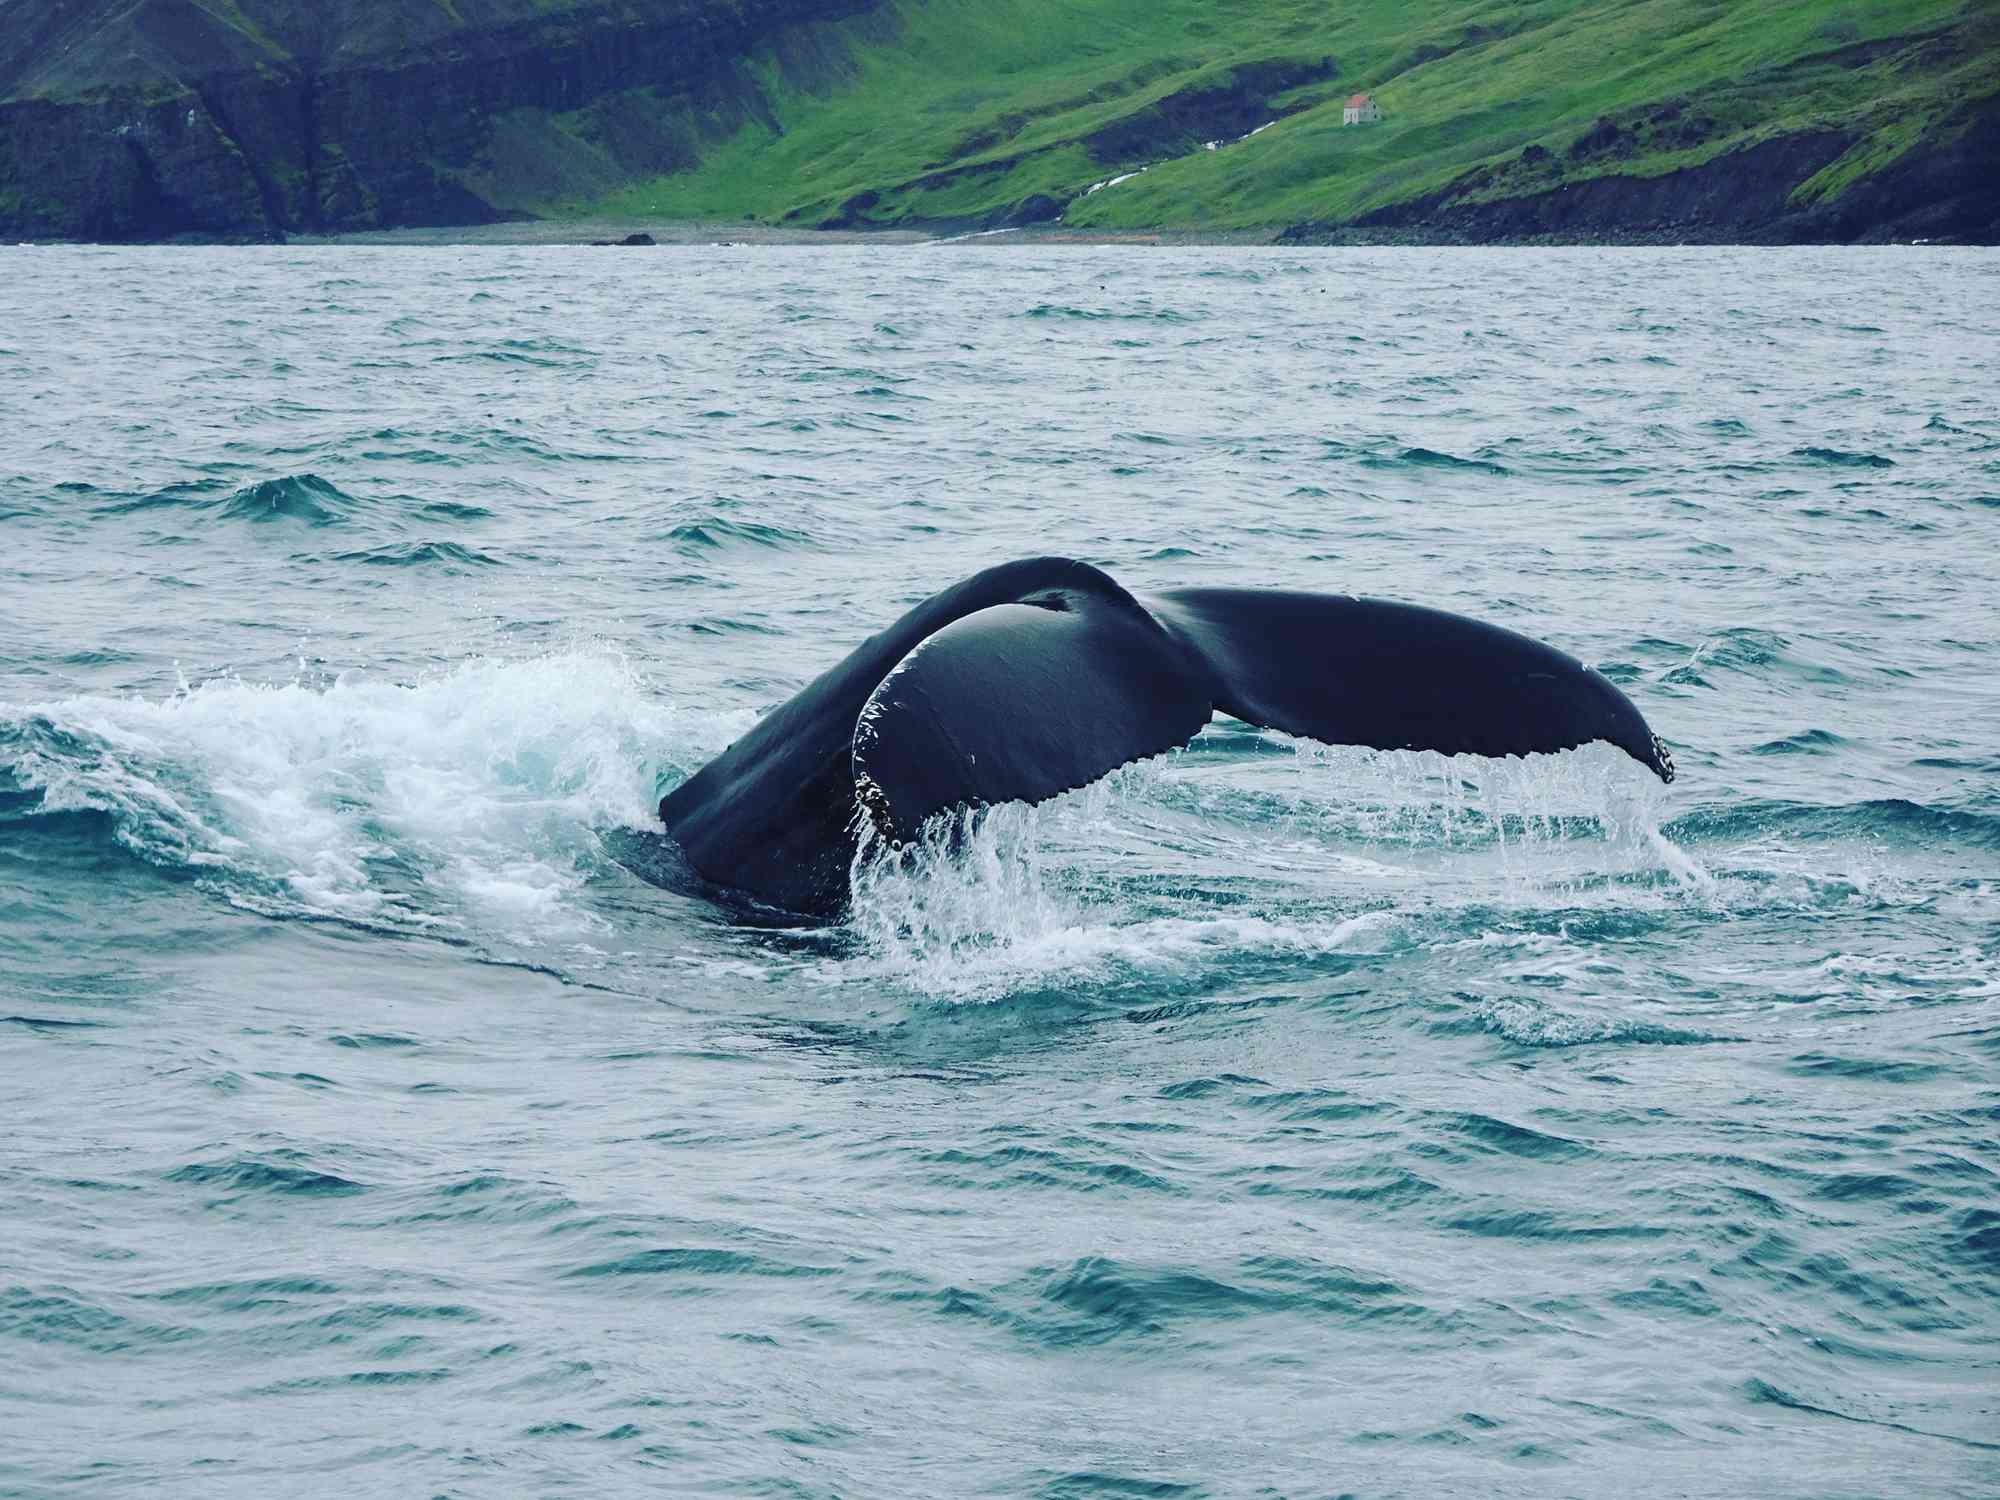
267,118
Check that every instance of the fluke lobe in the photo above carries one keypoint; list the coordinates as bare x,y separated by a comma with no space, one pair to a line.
1038,676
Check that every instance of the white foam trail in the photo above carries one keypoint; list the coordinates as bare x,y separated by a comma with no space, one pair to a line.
466,796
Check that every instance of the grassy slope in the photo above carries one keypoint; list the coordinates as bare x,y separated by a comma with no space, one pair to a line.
1014,86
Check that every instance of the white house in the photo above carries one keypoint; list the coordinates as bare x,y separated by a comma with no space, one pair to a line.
1361,110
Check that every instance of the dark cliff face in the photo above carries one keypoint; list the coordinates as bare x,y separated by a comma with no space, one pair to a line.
156,120
1743,193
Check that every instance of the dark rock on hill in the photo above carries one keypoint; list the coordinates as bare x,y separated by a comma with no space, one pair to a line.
1739,195
1946,187
1190,118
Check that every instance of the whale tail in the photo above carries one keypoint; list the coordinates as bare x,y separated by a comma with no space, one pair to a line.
1041,675
1021,701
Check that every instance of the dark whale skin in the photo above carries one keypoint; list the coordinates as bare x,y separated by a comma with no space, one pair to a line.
1038,676
773,815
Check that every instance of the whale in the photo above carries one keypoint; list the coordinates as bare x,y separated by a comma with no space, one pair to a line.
1040,676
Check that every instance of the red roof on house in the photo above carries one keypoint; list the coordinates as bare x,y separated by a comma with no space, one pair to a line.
1359,101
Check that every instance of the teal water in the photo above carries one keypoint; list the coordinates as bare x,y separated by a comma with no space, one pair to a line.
1268,1120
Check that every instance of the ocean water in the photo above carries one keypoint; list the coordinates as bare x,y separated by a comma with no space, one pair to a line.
1268,1120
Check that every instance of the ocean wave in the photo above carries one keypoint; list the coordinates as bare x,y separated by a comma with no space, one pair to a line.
448,555
713,533
515,356
677,1261
1841,458
1100,315
301,497
1748,650
1805,742
1529,1022
1431,458
1894,819
304,498
285,1173
452,510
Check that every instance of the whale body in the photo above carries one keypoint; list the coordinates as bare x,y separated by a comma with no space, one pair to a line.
1039,676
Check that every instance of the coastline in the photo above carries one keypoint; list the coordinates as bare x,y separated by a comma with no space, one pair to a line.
610,234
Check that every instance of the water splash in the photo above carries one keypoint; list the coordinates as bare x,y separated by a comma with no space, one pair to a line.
467,797
1177,865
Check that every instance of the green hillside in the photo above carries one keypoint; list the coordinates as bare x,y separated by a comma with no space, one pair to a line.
258,119
967,110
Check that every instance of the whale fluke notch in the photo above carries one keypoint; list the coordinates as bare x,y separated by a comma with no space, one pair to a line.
1039,676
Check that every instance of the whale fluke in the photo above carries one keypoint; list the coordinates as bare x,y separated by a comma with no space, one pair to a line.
1392,676
1039,676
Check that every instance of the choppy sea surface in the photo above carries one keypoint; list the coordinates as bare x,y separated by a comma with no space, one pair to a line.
1270,1120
